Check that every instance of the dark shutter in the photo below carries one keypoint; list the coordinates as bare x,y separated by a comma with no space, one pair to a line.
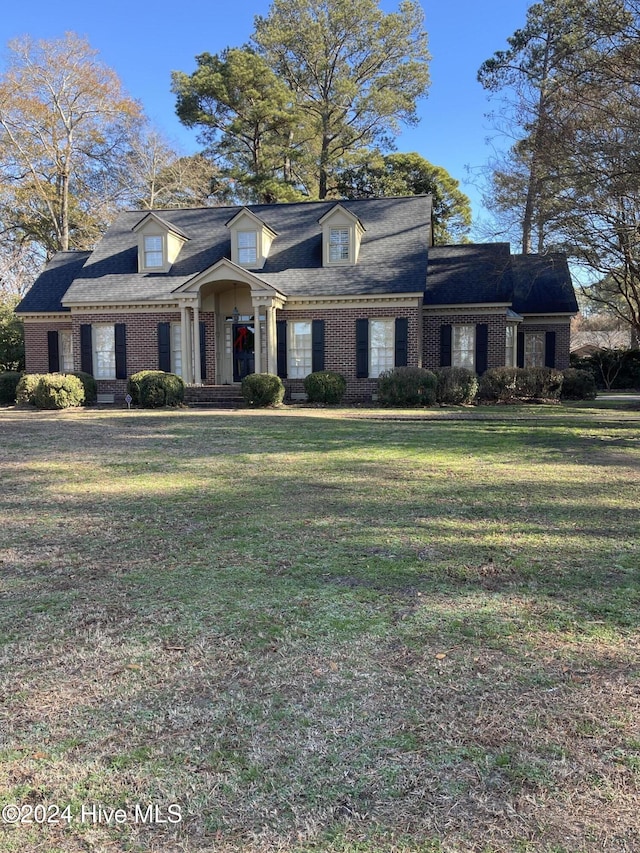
86,349
281,348
121,350
362,349
317,345
550,349
53,344
482,347
520,354
164,347
445,345
203,350
402,342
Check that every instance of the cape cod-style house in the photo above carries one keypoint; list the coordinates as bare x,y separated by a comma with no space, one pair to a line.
357,287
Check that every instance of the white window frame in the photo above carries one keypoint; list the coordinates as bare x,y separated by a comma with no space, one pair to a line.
463,345
300,349
382,346
247,247
153,247
176,348
534,349
65,350
339,244
103,339
511,345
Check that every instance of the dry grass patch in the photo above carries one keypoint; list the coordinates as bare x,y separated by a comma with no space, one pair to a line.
322,631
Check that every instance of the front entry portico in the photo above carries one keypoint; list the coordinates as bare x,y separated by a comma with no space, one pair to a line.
244,307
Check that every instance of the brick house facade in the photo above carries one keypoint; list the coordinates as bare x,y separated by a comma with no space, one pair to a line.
354,286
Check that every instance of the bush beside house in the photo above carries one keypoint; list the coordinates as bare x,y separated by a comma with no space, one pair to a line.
262,390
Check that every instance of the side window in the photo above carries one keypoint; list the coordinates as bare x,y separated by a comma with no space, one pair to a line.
66,350
381,346
534,349
299,354
104,351
463,346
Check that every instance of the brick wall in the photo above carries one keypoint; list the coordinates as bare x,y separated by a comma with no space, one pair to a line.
340,344
142,342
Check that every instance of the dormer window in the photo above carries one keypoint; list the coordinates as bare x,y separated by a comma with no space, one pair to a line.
251,239
153,254
339,244
159,243
341,236
247,247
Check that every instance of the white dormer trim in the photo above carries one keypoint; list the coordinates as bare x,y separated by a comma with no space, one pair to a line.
251,240
341,237
159,243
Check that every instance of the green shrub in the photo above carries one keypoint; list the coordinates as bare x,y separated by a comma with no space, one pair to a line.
58,391
262,389
578,384
509,384
27,388
90,386
158,389
324,386
8,384
614,368
539,383
407,386
457,386
499,385
133,383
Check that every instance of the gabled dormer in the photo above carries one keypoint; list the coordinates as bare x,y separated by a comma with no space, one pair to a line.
251,240
159,243
341,235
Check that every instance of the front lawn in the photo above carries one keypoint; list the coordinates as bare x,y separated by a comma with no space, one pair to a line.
320,630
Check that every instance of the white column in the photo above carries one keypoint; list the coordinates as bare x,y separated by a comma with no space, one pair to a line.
188,374
196,346
184,349
257,345
272,351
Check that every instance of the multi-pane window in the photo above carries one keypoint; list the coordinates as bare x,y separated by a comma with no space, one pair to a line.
510,359
153,252
104,352
299,355
339,244
247,247
534,349
463,346
65,339
381,346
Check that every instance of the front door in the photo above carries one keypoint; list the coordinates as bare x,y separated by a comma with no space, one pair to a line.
243,351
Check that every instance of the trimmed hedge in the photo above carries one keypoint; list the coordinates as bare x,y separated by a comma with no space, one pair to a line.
9,380
158,389
27,388
511,384
324,386
578,385
133,383
90,386
457,386
407,386
58,391
262,389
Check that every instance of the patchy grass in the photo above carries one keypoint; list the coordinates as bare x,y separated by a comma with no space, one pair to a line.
313,630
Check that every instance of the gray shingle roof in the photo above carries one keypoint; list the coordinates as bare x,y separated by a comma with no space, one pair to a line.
469,274
53,283
393,253
393,260
542,285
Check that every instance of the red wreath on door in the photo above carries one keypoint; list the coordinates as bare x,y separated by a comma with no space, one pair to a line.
241,339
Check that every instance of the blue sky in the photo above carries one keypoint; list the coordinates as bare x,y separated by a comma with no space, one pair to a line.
144,42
